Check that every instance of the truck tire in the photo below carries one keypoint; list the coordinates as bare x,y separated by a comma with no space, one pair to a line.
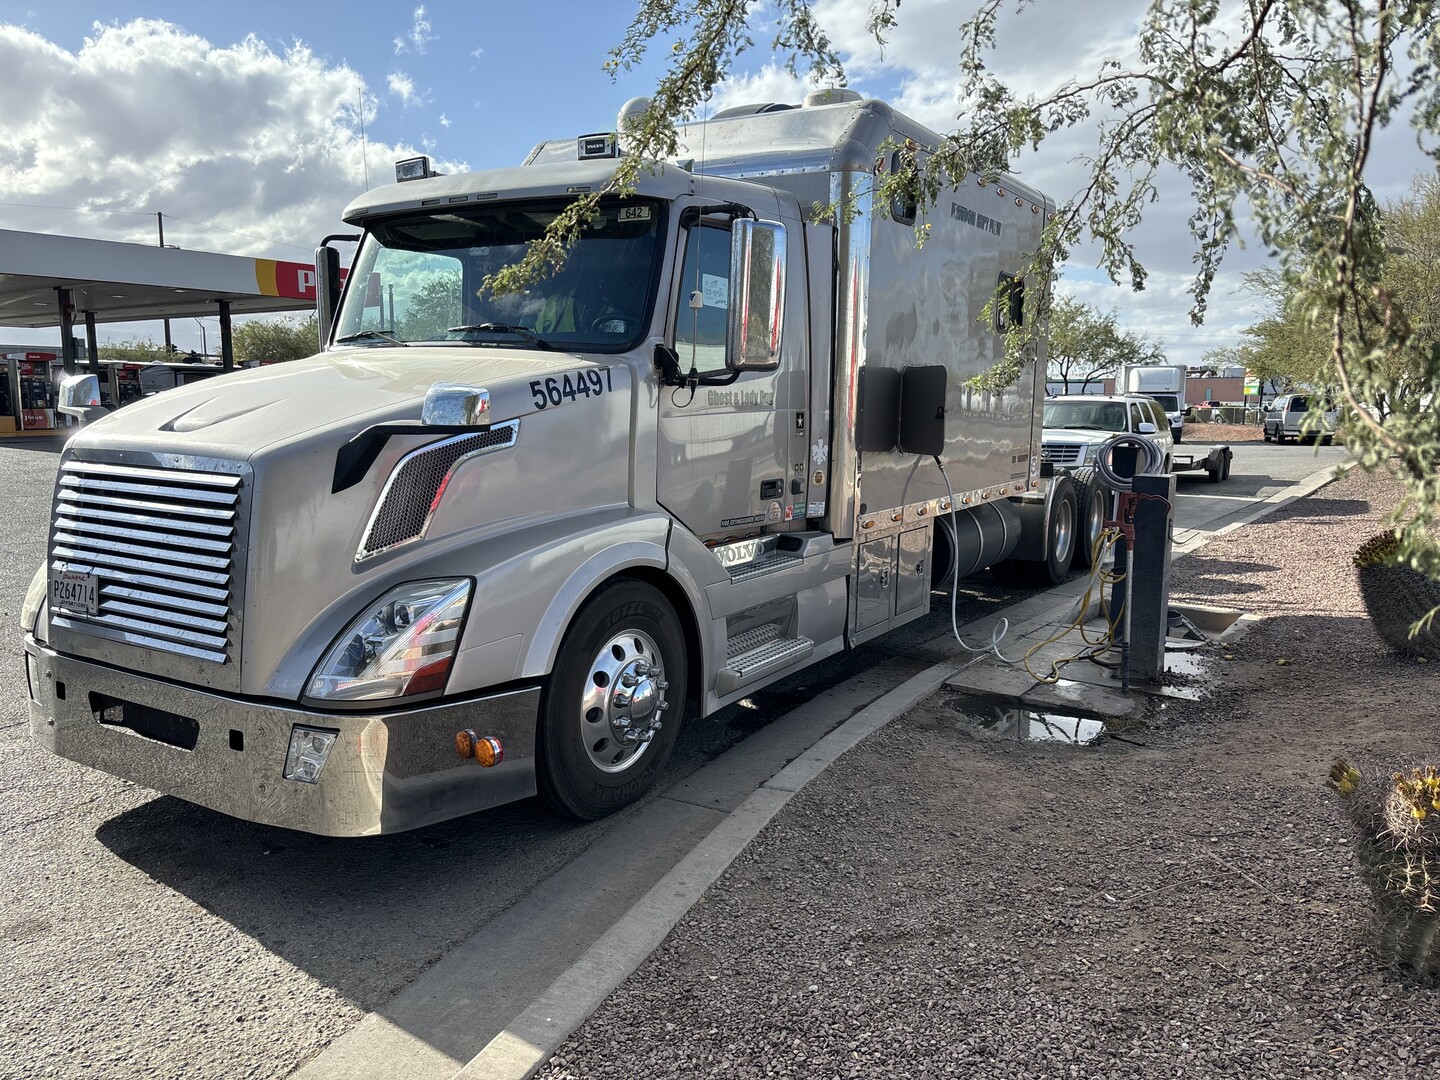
1060,535
1060,541
1229,457
610,714
1092,500
1177,434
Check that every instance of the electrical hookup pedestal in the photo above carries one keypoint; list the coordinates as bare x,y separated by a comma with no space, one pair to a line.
1141,595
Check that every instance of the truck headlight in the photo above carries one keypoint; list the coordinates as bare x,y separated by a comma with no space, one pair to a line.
34,600
401,647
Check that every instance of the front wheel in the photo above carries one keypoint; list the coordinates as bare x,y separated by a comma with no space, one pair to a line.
609,717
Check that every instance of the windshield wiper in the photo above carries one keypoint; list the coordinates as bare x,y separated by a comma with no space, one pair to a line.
502,328
370,335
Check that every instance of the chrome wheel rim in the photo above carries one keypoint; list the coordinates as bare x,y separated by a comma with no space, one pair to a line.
1064,529
1095,513
624,701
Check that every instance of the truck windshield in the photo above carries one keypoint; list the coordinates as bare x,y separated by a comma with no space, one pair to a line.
417,279
1168,402
1087,415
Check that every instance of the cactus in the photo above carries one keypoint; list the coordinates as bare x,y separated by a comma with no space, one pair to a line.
1379,550
1396,820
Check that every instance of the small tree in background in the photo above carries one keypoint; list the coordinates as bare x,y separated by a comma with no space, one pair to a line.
1085,344
275,339
134,351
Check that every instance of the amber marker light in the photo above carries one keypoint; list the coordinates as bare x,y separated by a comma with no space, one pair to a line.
489,753
465,741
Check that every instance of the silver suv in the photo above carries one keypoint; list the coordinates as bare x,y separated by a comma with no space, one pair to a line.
1286,414
1077,425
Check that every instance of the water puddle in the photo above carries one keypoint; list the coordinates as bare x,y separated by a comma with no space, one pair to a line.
1031,725
1183,662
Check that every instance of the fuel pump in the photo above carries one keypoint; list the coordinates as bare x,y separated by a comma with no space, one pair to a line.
37,396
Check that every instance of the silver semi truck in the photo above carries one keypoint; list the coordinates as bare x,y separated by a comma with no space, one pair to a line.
482,546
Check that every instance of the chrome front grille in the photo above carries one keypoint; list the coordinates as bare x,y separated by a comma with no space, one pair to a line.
418,481
161,544
1062,453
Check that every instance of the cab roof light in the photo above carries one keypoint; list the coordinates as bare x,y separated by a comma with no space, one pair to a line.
603,144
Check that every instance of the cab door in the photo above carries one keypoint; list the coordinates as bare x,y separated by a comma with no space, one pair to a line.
728,451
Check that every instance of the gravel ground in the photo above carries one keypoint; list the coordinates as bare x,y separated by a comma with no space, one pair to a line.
941,902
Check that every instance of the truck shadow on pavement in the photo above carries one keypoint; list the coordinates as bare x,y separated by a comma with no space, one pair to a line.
44,444
363,916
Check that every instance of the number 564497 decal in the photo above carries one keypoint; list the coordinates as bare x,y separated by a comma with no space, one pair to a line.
592,382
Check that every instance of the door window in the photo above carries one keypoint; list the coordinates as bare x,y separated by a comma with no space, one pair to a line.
703,312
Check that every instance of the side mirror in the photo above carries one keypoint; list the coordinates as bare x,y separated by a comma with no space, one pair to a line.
456,405
757,295
1145,428
327,290
80,397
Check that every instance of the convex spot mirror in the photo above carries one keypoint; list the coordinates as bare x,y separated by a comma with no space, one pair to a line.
79,391
79,397
450,404
757,295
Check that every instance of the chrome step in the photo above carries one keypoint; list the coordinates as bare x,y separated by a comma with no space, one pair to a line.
746,559
766,564
758,652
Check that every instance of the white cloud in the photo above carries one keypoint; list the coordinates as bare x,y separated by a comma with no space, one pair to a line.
444,120
403,87
245,150
419,36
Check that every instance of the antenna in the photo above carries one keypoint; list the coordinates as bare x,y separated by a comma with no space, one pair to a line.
364,155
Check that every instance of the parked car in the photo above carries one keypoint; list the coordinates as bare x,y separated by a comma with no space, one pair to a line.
1076,426
1285,419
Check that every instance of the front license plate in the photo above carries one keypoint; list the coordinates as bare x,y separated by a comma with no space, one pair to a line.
75,591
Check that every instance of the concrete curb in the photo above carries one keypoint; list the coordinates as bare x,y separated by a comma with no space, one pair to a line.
523,1048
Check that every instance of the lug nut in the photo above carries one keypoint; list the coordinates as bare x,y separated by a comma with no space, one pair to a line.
621,701
661,684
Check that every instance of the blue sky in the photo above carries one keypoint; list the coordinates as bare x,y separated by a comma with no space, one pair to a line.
241,122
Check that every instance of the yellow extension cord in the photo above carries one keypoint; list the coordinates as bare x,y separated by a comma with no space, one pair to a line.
1098,576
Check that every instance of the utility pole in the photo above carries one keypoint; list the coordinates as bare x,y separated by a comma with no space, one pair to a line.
160,223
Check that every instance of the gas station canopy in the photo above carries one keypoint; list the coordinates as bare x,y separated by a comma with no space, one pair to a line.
117,282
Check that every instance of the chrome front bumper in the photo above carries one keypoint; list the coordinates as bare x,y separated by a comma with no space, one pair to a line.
387,772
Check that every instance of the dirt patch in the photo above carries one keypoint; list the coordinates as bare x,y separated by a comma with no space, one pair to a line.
943,903
1222,433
